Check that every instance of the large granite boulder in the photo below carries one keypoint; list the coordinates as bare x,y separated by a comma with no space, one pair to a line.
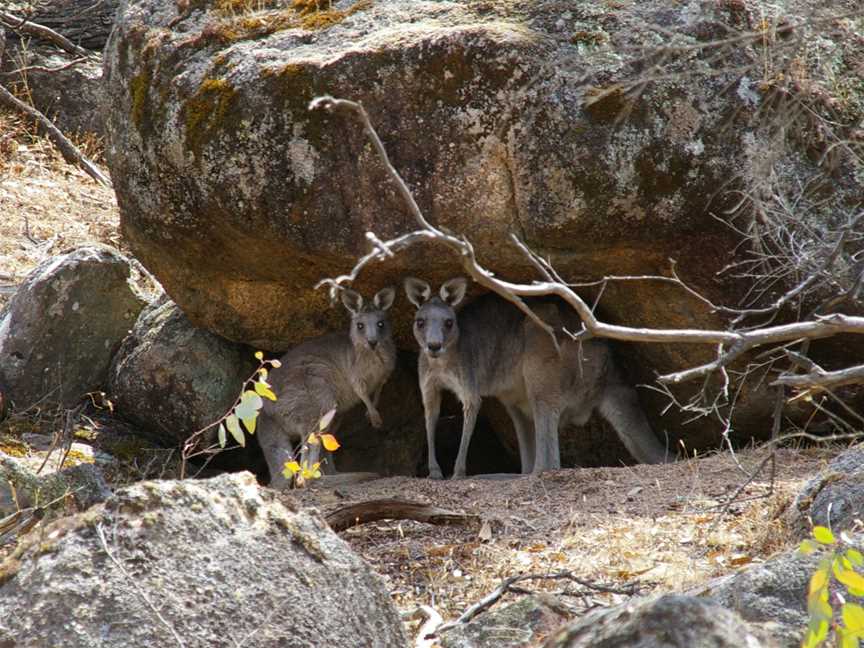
239,199
215,562
60,330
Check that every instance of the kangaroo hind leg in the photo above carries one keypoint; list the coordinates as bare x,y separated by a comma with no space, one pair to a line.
620,406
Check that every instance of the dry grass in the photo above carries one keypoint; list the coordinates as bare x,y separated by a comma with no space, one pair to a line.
47,205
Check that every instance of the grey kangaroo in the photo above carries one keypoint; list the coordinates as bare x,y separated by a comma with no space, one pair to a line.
337,370
490,348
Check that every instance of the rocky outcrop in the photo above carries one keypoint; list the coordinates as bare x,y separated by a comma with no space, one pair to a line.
60,330
21,487
216,562
239,199
670,621
771,597
834,498
519,624
172,378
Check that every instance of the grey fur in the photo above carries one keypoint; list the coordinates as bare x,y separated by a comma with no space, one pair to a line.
491,349
337,370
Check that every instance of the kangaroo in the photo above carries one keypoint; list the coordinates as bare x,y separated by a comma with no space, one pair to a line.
337,370
490,348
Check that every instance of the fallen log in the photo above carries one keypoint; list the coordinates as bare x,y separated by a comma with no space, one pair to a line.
394,509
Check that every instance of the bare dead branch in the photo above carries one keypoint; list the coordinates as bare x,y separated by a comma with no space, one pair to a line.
735,343
628,589
18,24
69,151
394,509
821,379
45,68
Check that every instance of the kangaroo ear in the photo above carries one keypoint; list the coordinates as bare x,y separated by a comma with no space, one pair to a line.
351,300
417,290
384,298
453,291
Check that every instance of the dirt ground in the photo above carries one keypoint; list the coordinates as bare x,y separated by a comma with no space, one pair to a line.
648,528
645,528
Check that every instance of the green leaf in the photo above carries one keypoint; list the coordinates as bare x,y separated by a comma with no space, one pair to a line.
853,617
855,557
807,547
823,535
263,389
816,634
221,432
250,403
233,426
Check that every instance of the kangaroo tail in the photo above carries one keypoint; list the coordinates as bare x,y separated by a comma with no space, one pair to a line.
620,406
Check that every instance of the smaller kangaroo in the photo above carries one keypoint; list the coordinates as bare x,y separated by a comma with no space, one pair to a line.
490,348
337,370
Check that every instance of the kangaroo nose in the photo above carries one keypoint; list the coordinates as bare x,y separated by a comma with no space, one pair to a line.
434,347
373,344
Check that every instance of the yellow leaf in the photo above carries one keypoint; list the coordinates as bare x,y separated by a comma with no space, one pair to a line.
262,389
312,439
847,640
855,557
326,420
276,364
263,373
818,580
250,424
850,579
823,535
291,468
807,547
259,355
329,442
853,617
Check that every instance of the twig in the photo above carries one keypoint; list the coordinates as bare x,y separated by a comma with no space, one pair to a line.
425,635
100,532
490,599
69,151
45,68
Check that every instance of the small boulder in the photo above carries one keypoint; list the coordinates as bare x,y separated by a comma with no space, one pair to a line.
670,621
63,325
172,378
516,625
834,498
84,484
222,561
771,597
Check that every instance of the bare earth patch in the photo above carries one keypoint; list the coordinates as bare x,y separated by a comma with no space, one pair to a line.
655,527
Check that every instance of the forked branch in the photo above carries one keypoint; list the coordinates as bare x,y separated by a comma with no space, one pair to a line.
732,344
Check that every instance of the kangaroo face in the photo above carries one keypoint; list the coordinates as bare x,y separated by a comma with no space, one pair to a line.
370,326
435,325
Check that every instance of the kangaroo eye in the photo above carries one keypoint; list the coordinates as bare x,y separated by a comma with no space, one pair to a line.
419,323
381,324
360,326
448,323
